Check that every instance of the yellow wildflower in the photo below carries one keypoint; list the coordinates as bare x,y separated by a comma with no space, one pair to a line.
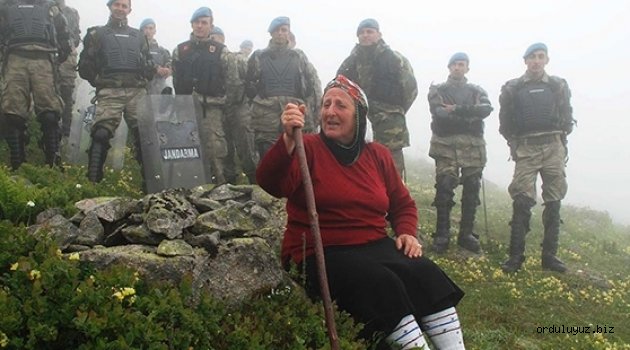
34,275
128,291
118,295
74,257
15,266
4,340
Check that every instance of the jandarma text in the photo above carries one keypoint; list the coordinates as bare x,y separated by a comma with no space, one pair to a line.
565,329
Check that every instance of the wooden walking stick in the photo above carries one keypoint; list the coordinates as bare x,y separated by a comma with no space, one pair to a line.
317,239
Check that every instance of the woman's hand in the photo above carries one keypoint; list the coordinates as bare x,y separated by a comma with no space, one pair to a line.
292,117
410,246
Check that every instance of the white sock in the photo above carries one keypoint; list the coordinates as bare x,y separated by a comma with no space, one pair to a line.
444,329
407,335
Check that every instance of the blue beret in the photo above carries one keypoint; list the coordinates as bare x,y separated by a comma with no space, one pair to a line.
247,43
533,48
201,12
459,56
146,22
217,30
277,22
368,23
110,2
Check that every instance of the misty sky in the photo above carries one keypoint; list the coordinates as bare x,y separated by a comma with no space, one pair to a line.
587,40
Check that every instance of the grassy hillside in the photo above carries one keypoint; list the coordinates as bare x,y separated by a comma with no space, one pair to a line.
499,311
509,311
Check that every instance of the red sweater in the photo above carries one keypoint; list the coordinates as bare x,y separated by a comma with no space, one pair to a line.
353,202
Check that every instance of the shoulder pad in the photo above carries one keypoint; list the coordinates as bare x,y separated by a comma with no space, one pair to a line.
557,80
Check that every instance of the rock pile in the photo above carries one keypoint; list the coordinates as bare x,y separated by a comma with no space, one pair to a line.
225,238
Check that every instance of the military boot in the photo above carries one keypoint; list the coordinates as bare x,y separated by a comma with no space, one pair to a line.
521,215
137,154
51,136
466,238
443,204
66,93
97,154
551,222
15,135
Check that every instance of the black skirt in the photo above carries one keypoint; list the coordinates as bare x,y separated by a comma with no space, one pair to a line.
378,285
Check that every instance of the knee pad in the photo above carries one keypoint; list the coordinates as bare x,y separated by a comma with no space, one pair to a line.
15,121
444,186
101,135
49,119
523,202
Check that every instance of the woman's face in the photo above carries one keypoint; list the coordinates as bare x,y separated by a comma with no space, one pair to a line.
338,116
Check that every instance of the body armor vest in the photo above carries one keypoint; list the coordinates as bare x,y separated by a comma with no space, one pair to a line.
199,69
536,108
31,24
386,80
121,51
280,74
461,95
158,55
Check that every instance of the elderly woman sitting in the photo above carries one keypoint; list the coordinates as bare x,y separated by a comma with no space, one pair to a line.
384,283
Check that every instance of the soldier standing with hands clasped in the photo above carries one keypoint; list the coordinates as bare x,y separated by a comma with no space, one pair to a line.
457,145
535,119
389,83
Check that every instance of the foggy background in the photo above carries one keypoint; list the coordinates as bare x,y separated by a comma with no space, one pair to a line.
587,40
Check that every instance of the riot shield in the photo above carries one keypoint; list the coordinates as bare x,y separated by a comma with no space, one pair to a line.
171,149
78,142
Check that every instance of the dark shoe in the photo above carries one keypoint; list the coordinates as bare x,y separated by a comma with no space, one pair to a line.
552,263
97,154
513,264
15,136
469,242
51,136
440,244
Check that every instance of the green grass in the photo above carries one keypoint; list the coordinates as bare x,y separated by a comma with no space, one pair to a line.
499,311
503,311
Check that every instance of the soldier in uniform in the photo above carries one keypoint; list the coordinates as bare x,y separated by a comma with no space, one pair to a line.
116,61
278,75
36,40
200,67
535,119
161,58
238,120
389,83
457,145
68,69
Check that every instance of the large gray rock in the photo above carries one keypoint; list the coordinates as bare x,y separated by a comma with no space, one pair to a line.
241,269
59,229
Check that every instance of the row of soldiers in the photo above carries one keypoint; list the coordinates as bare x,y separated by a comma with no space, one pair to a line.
242,98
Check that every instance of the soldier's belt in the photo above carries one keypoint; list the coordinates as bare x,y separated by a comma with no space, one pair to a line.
540,139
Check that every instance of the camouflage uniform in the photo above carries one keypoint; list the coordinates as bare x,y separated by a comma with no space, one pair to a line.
120,82
459,150
238,124
535,118
200,68
387,78
270,91
36,40
161,58
68,69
